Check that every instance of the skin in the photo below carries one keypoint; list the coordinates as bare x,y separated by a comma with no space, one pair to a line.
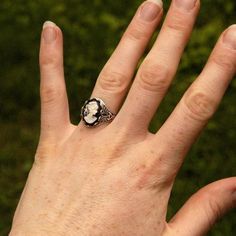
116,179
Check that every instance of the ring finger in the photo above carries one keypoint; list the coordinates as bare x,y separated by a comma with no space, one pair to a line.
114,79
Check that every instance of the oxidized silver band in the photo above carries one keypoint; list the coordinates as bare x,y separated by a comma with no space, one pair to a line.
95,112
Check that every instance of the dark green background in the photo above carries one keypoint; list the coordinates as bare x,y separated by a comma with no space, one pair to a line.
91,31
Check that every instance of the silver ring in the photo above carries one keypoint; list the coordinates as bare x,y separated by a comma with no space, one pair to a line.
95,112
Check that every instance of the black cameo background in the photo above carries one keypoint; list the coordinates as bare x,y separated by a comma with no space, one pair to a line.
97,114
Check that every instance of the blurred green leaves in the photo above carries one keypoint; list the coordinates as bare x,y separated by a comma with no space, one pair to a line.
92,29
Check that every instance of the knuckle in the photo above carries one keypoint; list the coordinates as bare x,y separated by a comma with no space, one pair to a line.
51,61
113,81
177,23
212,207
223,61
136,32
199,105
49,94
215,208
154,174
154,77
44,153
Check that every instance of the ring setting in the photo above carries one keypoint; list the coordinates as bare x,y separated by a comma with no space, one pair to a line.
95,112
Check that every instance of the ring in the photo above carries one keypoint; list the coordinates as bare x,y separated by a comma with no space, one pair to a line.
95,112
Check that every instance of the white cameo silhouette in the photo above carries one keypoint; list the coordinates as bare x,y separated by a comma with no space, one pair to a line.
90,111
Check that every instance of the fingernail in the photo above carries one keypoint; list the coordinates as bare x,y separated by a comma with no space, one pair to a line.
229,37
186,4
49,32
150,10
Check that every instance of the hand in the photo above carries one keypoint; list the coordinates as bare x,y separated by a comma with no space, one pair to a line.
116,179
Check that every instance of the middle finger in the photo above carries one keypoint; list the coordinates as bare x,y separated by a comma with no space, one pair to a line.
159,67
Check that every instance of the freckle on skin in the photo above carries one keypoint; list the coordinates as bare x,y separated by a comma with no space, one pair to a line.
152,151
142,167
94,226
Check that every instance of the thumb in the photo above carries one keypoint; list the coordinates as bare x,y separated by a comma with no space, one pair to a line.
203,209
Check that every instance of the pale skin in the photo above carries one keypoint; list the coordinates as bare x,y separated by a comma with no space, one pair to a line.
116,179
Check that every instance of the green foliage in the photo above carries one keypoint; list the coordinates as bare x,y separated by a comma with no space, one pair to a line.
91,31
